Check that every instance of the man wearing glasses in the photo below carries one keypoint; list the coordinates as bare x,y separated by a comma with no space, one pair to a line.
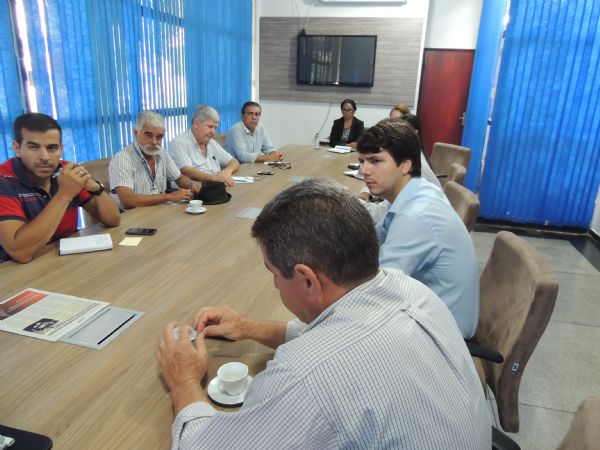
248,141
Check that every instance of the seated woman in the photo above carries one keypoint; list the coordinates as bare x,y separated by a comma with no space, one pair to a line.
346,130
399,111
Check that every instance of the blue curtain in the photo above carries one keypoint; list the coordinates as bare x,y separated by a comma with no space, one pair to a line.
543,157
218,37
482,82
10,99
139,53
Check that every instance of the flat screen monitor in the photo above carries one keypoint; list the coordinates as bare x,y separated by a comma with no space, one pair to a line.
337,60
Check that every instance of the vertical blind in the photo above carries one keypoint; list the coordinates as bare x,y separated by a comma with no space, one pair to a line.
95,65
219,55
543,157
10,100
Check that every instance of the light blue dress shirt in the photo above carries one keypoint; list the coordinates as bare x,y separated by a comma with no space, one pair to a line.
422,235
245,145
384,367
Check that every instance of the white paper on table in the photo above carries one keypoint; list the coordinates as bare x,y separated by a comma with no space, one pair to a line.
84,244
354,173
340,149
243,179
45,315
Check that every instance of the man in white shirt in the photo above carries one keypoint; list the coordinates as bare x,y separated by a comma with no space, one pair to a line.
140,173
198,155
248,140
373,360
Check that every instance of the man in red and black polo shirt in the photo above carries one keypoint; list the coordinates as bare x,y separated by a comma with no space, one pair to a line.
40,193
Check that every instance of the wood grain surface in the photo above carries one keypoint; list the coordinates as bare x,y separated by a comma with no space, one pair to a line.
115,397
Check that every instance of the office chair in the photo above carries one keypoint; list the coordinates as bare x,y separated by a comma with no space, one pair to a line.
583,434
457,173
518,293
98,168
220,138
444,155
464,202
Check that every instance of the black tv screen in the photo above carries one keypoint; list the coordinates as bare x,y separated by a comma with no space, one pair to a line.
336,60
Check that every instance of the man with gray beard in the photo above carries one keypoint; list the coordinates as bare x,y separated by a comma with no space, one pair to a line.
140,173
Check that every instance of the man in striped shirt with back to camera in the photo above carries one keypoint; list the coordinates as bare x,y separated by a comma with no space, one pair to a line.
373,360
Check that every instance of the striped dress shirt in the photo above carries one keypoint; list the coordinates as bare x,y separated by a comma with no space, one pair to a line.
384,367
128,168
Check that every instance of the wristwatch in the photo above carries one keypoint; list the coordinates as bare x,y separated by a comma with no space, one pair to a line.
99,191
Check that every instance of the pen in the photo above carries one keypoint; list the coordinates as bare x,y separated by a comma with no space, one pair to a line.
59,171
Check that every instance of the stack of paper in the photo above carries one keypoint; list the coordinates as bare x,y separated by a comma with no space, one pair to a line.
354,173
243,179
84,244
340,149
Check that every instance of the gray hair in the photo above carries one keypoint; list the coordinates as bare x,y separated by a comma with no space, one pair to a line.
204,113
319,223
150,118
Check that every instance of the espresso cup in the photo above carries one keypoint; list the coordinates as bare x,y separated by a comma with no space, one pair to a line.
233,378
195,205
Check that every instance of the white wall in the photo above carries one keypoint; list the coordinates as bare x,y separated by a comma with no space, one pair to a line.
449,24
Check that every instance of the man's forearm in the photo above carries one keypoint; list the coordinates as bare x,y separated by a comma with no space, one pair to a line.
186,394
29,238
104,209
271,334
135,200
197,175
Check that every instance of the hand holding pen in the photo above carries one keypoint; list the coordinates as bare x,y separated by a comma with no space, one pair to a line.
72,178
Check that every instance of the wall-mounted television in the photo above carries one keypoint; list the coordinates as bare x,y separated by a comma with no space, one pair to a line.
338,60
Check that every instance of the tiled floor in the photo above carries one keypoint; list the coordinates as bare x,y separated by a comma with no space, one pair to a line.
565,366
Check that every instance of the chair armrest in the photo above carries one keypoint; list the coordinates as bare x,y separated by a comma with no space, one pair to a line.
501,441
479,351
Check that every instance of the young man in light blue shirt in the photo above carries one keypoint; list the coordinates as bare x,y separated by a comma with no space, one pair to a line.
420,232
248,141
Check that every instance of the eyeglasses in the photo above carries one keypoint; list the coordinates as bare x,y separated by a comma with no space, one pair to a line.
252,114
280,164
347,110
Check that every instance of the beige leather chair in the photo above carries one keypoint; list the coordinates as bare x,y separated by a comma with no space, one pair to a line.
220,138
444,155
518,293
99,170
457,173
584,433
464,202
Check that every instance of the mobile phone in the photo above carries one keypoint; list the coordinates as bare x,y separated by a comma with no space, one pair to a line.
263,172
141,231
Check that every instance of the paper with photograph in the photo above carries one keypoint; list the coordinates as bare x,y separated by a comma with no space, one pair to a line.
45,315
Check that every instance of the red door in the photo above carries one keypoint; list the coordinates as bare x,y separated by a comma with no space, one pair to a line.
443,95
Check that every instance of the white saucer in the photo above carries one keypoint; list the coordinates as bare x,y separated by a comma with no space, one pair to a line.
221,397
200,211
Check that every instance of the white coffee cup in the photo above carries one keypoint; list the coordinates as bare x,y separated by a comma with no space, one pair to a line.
195,205
233,378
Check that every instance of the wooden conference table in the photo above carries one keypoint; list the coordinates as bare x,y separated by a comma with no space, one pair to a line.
114,397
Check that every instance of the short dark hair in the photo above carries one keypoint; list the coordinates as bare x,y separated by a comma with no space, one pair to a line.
36,122
249,104
348,100
398,138
318,222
